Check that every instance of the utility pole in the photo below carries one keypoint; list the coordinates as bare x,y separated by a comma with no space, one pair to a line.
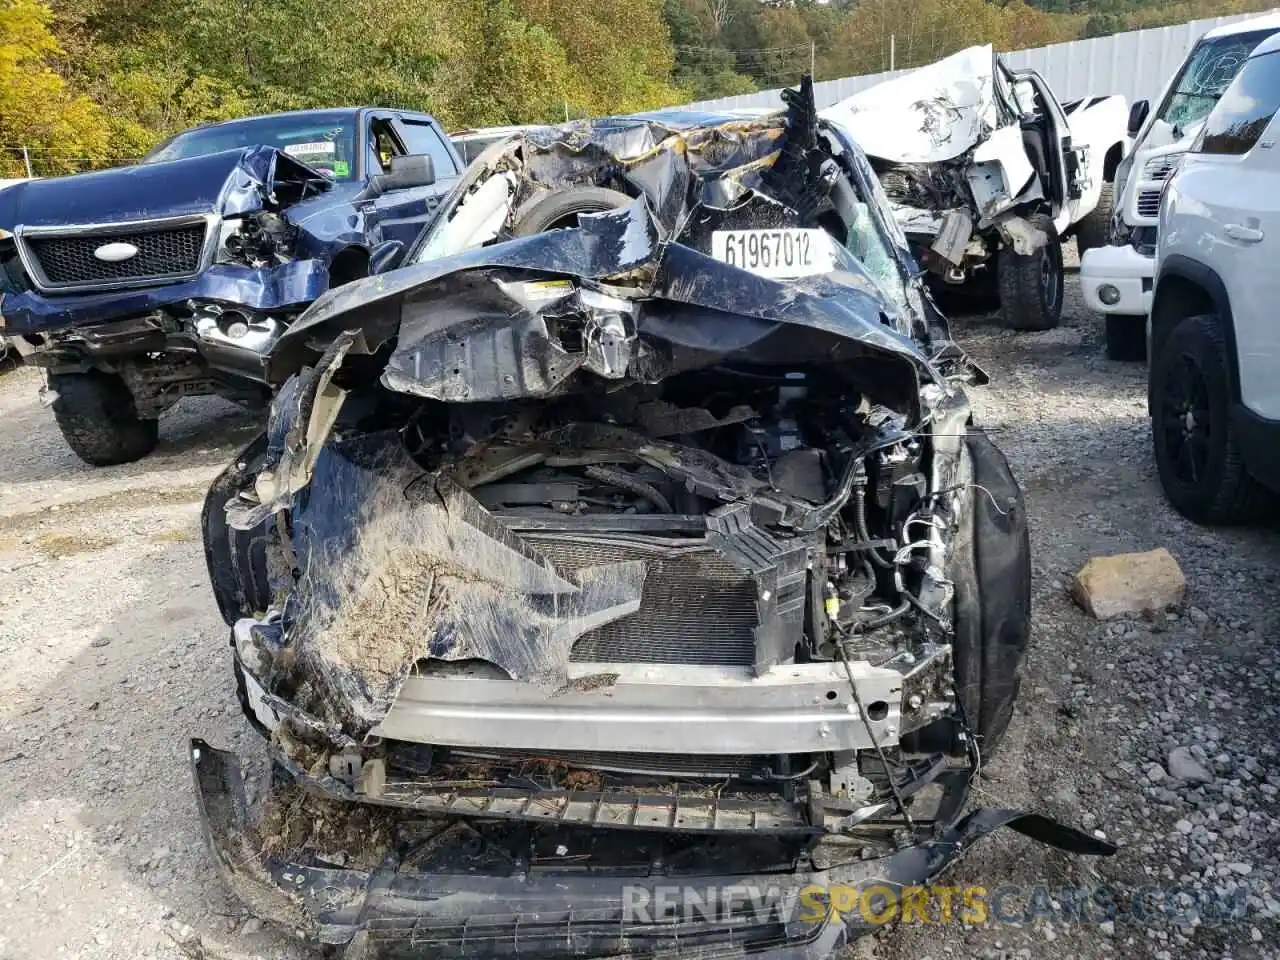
26,159
813,59
892,49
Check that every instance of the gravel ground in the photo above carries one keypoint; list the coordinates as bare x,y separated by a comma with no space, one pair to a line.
112,655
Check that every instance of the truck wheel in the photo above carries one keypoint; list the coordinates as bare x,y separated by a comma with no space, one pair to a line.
1198,455
1126,337
1094,230
560,209
1031,287
98,419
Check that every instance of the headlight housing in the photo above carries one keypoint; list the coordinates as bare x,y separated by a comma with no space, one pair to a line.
257,240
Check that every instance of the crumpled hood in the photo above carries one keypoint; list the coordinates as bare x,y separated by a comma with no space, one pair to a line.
480,324
929,115
474,326
229,183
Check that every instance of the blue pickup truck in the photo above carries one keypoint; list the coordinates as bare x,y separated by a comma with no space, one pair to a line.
139,285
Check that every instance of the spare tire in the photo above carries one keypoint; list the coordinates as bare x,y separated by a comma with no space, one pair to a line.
561,208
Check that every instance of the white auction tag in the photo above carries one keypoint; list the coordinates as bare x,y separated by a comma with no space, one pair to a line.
782,254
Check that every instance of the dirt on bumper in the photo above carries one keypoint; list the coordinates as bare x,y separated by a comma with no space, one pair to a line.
447,888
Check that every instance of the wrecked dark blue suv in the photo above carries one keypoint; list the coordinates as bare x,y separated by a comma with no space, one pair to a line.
139,285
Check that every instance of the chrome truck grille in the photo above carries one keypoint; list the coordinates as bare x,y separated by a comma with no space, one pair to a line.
1149,204
79,258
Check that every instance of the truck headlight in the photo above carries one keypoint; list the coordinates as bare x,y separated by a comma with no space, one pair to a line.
257,240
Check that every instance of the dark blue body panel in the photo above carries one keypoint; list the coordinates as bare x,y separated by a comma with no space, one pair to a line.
289,286
331,217
123,193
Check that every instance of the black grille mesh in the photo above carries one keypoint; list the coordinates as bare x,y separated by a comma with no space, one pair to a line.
1149,203
161,253
697,607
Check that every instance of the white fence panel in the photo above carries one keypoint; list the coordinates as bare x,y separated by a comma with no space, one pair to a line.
1136,64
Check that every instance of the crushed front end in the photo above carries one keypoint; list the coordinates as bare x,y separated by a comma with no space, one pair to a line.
178,297
585,567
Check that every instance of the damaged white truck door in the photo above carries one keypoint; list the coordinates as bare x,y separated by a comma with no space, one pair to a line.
986,172
1051,125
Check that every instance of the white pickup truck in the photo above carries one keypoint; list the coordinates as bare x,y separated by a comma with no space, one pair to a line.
987,173
1116,279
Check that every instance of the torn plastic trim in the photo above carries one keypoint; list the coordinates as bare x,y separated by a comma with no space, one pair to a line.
547,910
302,415
1018,233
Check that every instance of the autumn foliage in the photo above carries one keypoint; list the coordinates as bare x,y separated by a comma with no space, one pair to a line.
86,83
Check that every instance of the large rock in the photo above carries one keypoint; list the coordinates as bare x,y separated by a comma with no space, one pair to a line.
1184,766
1128,584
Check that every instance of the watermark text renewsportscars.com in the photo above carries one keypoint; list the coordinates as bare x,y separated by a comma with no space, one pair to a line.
880,903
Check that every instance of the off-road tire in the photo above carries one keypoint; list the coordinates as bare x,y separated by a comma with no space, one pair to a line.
1094,230
1192,365
1126,337
559,208
98,419
1031,287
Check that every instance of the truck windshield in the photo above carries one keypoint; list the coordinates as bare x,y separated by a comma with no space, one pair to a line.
1204,77
323,140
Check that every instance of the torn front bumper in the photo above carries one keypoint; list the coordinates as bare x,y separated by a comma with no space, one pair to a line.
285,287
702,899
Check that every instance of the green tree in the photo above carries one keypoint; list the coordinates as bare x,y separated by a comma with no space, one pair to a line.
1103,24
37,108
702,68
619,51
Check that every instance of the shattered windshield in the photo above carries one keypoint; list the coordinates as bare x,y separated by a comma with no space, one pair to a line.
1205,76
867,244
324,141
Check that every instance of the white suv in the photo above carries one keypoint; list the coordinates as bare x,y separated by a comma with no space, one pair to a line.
1116,278
1214,385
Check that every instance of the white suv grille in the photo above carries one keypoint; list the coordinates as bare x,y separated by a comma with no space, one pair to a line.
1155,172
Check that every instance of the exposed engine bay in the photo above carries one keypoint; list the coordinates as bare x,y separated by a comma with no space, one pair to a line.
602,538
196,305
593,544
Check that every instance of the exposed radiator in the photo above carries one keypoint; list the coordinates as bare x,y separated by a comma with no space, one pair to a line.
697,608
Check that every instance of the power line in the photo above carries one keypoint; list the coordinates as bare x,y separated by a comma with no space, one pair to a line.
798,46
